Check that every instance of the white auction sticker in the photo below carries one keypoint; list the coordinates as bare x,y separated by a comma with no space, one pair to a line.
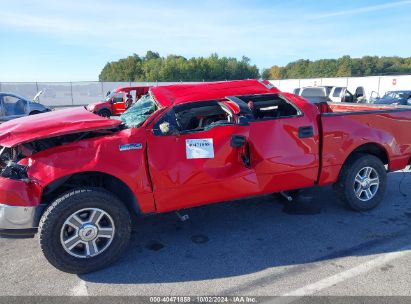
199,148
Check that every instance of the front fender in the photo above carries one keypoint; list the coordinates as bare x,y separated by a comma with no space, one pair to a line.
100,154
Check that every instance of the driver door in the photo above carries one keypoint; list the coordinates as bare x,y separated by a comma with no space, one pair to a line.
118,104
198,166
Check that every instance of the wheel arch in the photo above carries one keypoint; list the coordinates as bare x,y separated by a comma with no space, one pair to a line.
371,148
94,179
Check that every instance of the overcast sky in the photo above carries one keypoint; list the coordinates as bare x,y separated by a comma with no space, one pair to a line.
52,40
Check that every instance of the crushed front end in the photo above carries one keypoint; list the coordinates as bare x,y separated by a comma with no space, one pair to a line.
20,207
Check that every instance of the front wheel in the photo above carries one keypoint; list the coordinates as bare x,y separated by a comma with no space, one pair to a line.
84,230
362,182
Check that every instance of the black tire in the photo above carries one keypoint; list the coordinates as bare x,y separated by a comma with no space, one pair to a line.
55,216
34,112
346,184
104,113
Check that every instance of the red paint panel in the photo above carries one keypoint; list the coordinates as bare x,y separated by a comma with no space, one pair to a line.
18,193
182,93
101,154
118,108
180,182
281,159
342,134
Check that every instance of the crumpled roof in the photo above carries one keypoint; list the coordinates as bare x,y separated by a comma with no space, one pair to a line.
181,93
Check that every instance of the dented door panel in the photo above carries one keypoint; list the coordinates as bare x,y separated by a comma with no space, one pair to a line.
182,181
281,159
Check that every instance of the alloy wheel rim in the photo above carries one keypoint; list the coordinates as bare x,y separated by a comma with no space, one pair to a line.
366,184
87,233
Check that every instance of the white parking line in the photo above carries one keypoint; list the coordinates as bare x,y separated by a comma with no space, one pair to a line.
80,290
313,288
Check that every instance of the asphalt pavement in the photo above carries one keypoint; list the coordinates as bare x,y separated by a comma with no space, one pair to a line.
251,247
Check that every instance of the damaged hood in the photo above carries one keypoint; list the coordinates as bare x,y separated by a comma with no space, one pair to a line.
52,124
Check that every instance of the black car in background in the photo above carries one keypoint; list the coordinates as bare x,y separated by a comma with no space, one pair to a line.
395,98
13,106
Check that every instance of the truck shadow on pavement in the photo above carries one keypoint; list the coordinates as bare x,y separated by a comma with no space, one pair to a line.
248,236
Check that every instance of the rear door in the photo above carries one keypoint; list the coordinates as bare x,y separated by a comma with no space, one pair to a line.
284,143
192,160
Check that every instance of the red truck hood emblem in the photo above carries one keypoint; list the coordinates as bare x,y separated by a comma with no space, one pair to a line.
52,124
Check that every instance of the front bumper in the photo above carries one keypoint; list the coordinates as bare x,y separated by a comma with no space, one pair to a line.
19,221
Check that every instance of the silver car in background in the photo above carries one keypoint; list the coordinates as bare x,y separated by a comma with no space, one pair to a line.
13,106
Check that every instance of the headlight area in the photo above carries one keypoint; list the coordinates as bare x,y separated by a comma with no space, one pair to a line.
9,166
15,171
16,188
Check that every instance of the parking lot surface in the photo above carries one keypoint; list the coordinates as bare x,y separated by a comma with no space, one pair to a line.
253,247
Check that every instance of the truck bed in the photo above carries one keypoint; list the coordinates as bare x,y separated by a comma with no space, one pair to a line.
347,128
331,107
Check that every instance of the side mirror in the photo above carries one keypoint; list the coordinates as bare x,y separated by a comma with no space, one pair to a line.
164,129
243,121
238,141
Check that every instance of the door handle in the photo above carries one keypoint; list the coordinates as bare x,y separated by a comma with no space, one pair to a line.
305,132
238,141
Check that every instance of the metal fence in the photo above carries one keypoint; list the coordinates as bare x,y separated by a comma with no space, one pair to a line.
65,94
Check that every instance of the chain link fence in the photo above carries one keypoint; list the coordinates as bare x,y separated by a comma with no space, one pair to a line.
67,94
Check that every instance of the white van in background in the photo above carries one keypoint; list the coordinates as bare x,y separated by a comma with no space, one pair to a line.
331,93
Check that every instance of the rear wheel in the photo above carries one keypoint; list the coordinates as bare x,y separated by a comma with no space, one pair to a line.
104,113
84,230
362,182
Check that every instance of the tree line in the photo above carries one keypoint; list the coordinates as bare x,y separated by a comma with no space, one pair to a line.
153,67
341,67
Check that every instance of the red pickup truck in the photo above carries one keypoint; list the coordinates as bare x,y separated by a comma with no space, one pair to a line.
79,177
117,101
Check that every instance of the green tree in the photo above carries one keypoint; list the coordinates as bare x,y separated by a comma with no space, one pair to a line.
343,67
153,67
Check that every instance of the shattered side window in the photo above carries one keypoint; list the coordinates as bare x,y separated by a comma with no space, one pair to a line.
139,112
